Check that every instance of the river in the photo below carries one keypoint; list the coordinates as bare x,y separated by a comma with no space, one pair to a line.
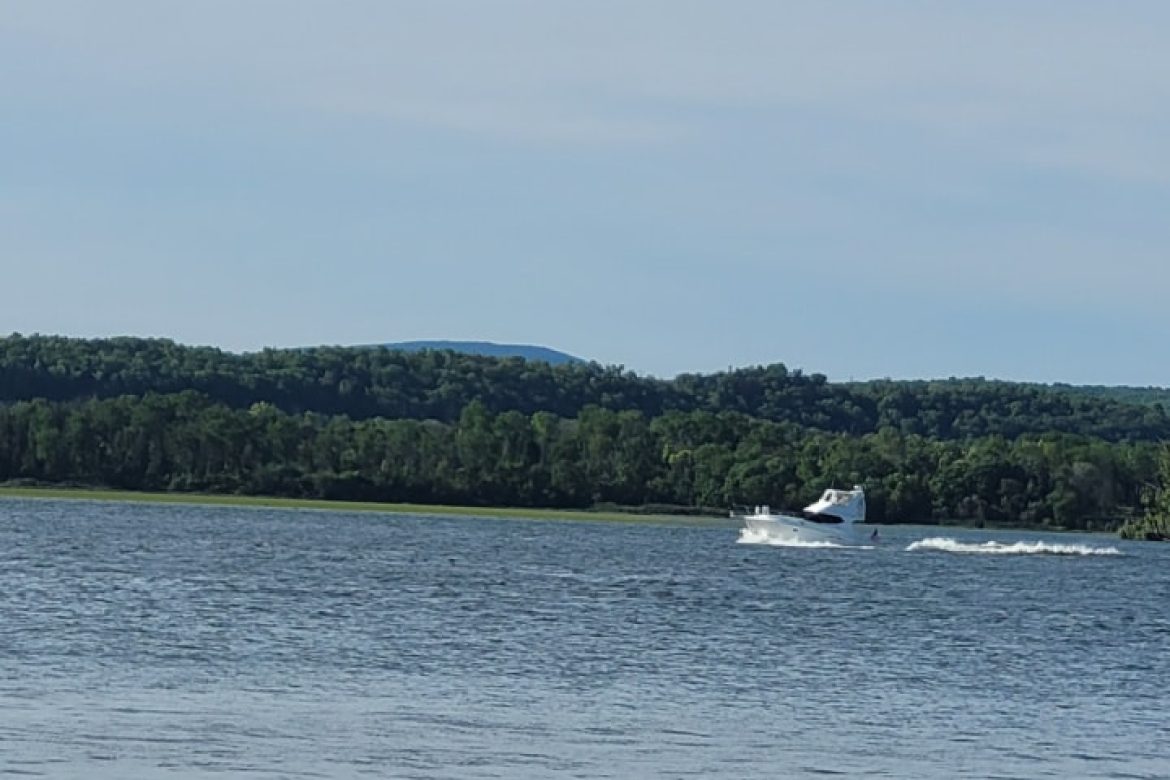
161,641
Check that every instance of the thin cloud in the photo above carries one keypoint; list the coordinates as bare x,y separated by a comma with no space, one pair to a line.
1072,84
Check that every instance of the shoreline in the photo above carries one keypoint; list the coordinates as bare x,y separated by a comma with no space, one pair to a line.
326,505
444,510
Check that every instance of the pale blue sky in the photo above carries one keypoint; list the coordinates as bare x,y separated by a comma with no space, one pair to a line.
861,189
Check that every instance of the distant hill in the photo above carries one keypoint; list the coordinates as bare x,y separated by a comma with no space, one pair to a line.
489,349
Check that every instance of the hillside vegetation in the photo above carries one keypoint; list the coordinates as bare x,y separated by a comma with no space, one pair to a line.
488,349
436,426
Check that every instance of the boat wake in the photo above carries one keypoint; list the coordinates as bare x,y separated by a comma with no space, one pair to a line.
943,544
748,536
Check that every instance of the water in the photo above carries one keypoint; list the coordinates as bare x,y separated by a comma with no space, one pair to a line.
141,641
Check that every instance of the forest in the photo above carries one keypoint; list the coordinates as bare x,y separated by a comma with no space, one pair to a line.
441,427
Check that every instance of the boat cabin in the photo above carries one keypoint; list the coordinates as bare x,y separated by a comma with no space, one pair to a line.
838,506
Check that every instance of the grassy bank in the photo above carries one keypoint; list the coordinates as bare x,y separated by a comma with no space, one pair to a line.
92,494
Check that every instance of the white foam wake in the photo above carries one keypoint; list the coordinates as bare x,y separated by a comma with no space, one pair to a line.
748,536
944,544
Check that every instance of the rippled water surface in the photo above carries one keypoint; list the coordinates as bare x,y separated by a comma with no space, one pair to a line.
141,641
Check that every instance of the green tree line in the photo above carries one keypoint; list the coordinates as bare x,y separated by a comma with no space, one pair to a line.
368,383
189,441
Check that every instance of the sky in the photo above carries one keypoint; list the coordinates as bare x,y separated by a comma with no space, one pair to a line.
904,188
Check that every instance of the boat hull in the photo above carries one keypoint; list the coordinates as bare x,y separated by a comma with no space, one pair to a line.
794,530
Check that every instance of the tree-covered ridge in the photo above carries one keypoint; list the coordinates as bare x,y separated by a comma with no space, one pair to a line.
366,383
441,427
187,442
974,407
360,382
1129,395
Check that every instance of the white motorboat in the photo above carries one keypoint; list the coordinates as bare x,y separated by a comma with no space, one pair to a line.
831,519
